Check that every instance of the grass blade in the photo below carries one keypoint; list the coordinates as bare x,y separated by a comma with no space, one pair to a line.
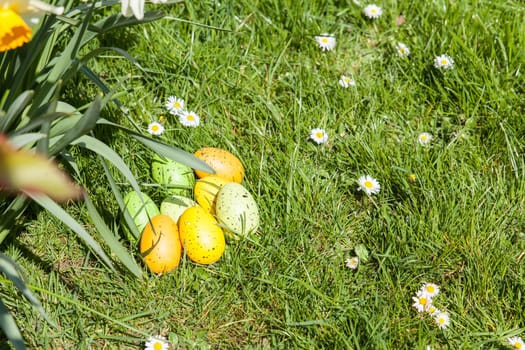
9,268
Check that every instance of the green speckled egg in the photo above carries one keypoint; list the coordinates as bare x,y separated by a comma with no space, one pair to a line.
140,212
174,206
177,177
236,210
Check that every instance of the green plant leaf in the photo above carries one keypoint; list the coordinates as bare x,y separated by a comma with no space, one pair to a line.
111,239
118,196
10,269
15,109
103,150
19,141
163,149
54,209
8,324
84,125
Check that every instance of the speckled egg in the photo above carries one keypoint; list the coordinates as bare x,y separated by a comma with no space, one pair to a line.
225,164
160,245
236,210
201,236
174,206
139,211
177,177
206,190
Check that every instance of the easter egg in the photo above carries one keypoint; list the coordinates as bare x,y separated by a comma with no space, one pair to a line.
177,177
201,237
140,211
206,190
174,206
225,164
236,210
160,245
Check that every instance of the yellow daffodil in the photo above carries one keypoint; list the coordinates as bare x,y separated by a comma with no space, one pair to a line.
16,19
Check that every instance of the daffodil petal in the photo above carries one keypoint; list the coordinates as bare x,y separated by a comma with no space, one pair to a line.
14,31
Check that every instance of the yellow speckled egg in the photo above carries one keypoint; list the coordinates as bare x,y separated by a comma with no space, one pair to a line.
206,190
160,244
201,236
225,164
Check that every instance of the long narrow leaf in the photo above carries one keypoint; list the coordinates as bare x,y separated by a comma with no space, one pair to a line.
8,324
84,125
15,110
52,207
9,268
163,149
103,150
114,244
118,196
19,141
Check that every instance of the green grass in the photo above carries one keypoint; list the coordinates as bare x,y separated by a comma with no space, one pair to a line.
261,85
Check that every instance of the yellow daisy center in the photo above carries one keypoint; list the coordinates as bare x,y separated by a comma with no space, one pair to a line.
442,320
347,80
423,301
424,137
430,289
324,40
431,309
14,32
373,11
518,345
319,135
444,61
368,184
176,104
157,346
190,117
155,128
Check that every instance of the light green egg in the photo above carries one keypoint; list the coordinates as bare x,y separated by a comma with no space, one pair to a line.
178,178
174,206
236,211
141,212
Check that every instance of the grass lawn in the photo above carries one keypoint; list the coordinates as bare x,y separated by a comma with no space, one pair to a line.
449,212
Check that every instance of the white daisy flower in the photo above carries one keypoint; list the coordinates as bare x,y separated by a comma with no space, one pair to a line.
190,119
155,128
430,289
319,135
442,319
368,184
443,62
424,138
326,41
175,105
157,343
346,81
373,11
421,301
352,263
516,343
402,50
432,310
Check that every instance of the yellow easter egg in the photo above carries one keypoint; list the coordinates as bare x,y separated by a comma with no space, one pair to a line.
201,236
